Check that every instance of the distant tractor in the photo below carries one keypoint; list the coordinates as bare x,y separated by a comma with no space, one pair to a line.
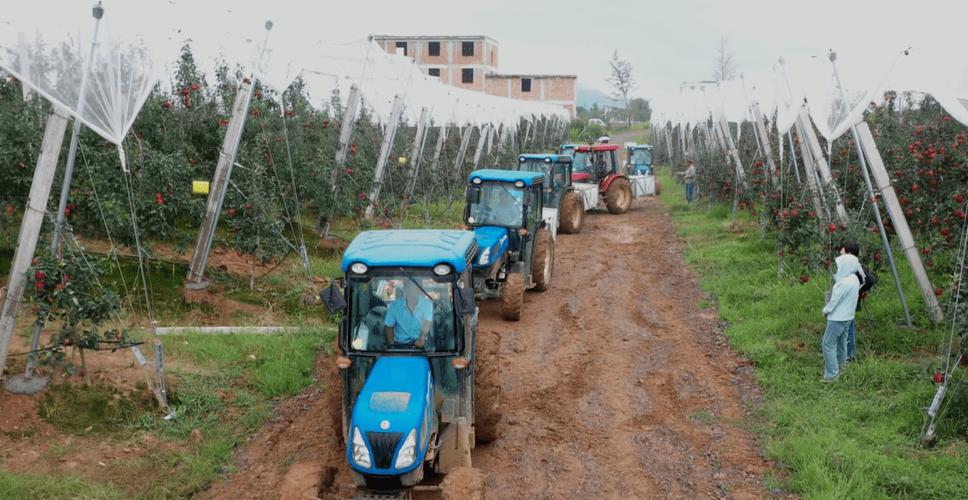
564,207
418,384
641,172
567,149
516,246
600,177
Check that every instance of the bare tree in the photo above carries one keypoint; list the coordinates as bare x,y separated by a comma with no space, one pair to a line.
725,61
622,83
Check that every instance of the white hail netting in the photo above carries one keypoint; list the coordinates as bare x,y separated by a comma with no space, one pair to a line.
381,76
812,83
50,49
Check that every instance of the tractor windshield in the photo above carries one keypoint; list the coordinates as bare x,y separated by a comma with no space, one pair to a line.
580,163
641,157
499,204
399,309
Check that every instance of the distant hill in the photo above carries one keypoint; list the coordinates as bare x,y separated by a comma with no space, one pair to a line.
588,96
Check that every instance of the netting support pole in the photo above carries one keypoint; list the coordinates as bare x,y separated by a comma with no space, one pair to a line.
416,155
481,140
220,184
385,148
33,219
821,164
342,149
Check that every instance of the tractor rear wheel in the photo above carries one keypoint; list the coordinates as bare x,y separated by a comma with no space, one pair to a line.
658,187
618,196
487,387
512,297
543,265
572,214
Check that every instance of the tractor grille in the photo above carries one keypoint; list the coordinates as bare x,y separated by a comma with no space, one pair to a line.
383,445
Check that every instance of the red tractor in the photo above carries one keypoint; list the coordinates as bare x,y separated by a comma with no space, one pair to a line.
600,177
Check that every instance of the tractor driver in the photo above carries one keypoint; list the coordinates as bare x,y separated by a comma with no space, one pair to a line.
408,318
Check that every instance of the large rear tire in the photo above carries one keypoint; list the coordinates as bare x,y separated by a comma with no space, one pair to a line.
572,213
658,187
512,297
487,387
543,265
618,197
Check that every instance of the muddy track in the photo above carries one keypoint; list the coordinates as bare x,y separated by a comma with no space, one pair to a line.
616,385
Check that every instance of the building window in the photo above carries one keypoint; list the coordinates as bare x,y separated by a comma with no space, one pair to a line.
467,49
467,75
433,48
402,45
525,85
434,72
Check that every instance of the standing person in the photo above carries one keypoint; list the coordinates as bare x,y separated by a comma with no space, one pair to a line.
851,248
839,311
689,178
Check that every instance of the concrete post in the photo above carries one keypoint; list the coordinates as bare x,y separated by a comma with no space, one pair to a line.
30,227
385,149
220,183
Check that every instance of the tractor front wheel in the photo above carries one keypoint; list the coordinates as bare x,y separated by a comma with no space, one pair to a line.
487,387
618,196
512,297
572,213
543,265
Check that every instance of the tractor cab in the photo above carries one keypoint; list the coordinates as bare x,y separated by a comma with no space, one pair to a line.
408,358
639,159
563,208
600,177
516,248
567,149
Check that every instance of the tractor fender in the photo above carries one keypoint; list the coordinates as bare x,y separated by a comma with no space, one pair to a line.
607,181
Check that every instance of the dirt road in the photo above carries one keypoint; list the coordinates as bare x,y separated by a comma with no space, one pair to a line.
616,385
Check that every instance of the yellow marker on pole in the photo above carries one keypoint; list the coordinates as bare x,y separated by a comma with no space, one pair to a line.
200,187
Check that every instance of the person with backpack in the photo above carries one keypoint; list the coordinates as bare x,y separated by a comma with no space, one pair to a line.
840,311
867,281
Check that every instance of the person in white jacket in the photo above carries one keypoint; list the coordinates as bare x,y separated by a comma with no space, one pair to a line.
839,312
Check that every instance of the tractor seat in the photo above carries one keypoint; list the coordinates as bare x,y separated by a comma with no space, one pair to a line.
580,177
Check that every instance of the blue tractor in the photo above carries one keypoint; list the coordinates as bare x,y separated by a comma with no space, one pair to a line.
639,159
419,386
563,205
516,246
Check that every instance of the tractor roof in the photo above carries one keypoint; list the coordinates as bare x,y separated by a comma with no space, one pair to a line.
528,178
585,148
567,146
411,248
640,146
546,157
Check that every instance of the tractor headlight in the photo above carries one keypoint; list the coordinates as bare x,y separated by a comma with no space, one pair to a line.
361,455
485,257
408,452
441,269
358,268
519,184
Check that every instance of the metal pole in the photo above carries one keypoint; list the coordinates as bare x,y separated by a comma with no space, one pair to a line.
98,13
870,193
385,149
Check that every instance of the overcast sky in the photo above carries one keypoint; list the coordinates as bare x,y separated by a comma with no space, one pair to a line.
667,41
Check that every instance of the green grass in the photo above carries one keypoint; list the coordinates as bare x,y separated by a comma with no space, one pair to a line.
50,486
856,438
230,390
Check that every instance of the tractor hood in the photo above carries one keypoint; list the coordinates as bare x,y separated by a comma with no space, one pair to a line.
492,243
395,400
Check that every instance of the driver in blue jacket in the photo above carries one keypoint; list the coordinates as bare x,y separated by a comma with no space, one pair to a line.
408,318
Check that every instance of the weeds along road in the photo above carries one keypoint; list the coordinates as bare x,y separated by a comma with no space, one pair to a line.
616,384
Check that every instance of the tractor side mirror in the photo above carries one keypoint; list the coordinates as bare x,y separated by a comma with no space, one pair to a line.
332,298
464,301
